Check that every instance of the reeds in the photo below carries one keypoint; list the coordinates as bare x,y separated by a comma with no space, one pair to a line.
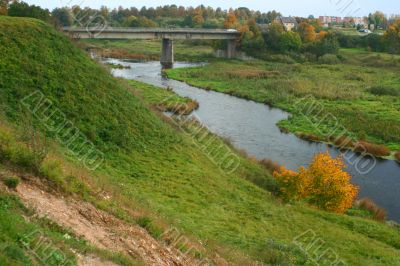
373,149
378,213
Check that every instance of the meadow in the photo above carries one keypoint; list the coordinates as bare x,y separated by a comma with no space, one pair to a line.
359,92
155,172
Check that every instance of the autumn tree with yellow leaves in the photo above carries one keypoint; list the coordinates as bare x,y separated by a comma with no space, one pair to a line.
307,32
324,184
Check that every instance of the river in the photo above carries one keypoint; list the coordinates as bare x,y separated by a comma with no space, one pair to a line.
252,126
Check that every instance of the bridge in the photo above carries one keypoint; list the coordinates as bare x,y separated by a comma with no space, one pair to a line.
166,35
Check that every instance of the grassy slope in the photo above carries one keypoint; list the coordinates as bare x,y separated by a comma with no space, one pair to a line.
150,163
342,90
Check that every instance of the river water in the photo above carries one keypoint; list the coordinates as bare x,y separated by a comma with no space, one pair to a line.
252,126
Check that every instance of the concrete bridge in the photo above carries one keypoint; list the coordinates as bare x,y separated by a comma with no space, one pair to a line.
166,35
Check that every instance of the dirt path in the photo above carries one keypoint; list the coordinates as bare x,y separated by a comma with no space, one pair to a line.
99,228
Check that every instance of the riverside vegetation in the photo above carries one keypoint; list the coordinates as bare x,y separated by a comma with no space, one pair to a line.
152,168
360,90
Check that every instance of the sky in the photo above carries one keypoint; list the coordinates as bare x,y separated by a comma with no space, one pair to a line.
286,7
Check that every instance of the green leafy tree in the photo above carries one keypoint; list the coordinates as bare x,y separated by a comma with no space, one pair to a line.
290,41
327,45
62,17
22,9
392,38
273,35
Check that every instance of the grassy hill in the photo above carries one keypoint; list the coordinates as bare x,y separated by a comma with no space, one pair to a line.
158,168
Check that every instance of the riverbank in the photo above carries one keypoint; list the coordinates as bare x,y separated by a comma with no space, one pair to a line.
360,99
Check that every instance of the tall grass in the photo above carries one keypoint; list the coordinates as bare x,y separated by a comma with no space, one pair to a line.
373,149
377,212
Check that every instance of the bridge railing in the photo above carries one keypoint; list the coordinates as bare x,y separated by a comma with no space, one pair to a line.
152,30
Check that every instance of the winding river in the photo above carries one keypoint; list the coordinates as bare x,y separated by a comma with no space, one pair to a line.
252,126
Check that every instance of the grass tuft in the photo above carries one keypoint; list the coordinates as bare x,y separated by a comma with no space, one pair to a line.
11,182
378,213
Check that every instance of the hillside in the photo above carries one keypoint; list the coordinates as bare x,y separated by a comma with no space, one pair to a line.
154,174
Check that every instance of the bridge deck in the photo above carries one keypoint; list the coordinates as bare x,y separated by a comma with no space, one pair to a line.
152,33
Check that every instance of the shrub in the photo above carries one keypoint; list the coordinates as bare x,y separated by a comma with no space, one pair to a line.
381,90
324,184
377,213
374,42
289,42
373,149
309,137
397,156
328,59
353,76
342,141
270,165
52,171
11,182
349,41
327,45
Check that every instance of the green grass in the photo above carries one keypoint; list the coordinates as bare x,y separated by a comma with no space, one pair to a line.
342,90
162,99
165,169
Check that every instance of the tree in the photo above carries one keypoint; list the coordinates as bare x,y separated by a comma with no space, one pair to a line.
62,17
273,35
252,41
230,21
22,9
324,184
289,41
144,22
392,37
307,32
198,18
4,7
328,45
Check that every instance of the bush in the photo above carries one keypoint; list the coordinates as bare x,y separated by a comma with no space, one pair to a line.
289,42
324,184
11,182
269,165
329,59
373,149
397,156
52,171
349,41
377,213
327,45
374,42
381,90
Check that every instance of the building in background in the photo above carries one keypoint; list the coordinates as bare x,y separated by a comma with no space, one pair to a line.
289,23
326,20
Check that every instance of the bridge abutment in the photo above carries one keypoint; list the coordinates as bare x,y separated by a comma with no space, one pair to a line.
231,49
167,53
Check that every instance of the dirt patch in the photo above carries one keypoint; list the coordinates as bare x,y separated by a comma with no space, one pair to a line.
92,260
99,228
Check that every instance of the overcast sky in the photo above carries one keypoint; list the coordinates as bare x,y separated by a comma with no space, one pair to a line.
286,7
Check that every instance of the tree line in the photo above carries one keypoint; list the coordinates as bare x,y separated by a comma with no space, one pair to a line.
260,32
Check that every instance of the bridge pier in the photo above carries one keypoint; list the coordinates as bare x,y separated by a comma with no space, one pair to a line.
167,53
231,49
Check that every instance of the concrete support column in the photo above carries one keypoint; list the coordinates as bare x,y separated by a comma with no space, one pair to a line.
231,50
167,53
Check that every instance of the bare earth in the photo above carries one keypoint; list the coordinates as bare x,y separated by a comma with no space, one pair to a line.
99,228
